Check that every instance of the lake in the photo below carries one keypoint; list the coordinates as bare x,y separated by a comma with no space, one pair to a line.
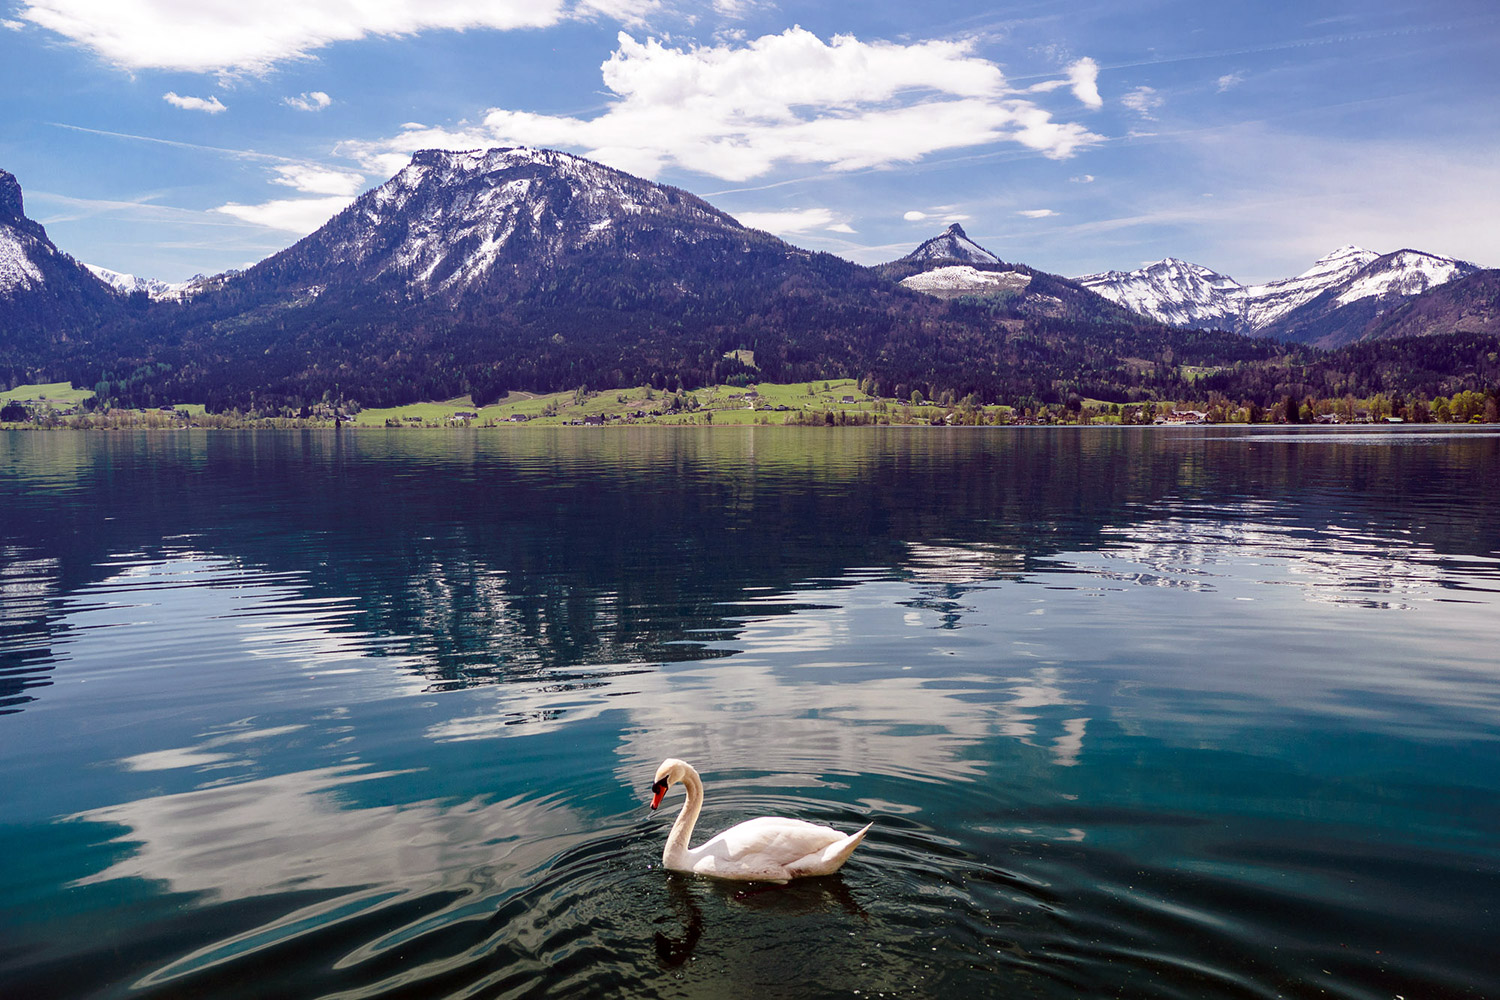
1156,712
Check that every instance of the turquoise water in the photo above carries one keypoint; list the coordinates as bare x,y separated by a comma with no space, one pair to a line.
1142,713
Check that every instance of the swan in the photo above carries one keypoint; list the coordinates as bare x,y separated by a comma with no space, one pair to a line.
767,849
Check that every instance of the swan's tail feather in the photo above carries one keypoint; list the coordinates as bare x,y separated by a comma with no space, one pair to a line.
832,857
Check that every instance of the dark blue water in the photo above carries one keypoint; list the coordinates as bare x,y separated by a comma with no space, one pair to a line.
1140,713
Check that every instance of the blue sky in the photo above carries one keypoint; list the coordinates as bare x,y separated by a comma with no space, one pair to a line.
169,137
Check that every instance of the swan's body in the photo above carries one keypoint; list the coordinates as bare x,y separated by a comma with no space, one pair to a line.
768,849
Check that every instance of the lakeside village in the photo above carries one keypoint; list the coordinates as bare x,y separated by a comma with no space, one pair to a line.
832,403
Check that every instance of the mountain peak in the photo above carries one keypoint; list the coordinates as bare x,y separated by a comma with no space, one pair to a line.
953,244
1347,250
11,205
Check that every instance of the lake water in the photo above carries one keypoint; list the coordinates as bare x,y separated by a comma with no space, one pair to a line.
1139,713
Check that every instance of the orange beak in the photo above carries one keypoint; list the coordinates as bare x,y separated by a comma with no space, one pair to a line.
658,792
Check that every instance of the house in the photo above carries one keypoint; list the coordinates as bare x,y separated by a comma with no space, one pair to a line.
518,418
593,419
847,399
1186,417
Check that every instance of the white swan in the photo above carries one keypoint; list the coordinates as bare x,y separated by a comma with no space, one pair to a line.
768,849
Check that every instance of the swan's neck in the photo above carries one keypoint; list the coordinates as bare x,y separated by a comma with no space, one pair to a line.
676,852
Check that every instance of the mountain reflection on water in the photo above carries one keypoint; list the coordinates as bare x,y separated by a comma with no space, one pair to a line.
1148,712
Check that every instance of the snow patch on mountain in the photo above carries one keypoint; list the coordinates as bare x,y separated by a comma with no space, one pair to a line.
961,279
17,271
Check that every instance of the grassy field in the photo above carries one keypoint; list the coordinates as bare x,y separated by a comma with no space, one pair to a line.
59,394
766,403
716,404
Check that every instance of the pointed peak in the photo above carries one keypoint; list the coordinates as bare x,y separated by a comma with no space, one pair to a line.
953,244
11,204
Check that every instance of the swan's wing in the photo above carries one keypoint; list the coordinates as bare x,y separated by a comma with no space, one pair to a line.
766,844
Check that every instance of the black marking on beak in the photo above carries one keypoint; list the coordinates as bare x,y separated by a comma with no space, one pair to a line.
658,790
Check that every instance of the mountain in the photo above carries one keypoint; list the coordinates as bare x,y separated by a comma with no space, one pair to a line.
1341,312
46,297
1470,304
953,244
1327,305
1174,291
154,288
952,266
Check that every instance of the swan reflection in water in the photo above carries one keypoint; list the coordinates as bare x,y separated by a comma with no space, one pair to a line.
800,898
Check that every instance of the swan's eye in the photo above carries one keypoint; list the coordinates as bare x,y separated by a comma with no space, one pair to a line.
659,785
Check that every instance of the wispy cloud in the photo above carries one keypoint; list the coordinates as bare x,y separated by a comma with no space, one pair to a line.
211,105
314,100
794,221
1144,101
738,111
1036,213
238,154
1229,81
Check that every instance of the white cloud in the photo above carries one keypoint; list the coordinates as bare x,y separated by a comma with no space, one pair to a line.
294,215
230,36
793,221
1083,77
211,105
1143,101
319,180
738,111
1082,179
1229,80
314,100
12,25
947,213
1036,213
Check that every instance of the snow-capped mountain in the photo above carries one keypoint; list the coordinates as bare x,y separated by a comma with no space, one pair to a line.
452,223
1329,304
129,284
23,243
1175,292
43,292
156,289
952,245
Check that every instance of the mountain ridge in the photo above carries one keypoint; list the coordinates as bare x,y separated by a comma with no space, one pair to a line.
1327,305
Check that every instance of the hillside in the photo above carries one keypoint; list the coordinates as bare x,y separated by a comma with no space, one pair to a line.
48,301
1467,305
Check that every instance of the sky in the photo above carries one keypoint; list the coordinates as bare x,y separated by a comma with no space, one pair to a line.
167,138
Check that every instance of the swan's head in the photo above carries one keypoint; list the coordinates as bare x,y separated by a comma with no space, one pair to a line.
670,772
